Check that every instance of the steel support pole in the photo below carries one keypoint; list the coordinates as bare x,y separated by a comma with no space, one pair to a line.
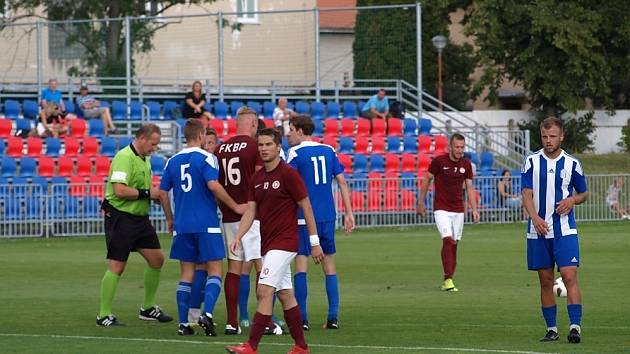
128,60
317,58
419,56
40,54
221,58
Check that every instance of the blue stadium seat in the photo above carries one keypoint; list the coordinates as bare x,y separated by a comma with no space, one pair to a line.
409,126
70,106
20,186
33,208
474,158
12,208
358,181
96,128
208,106
11,109
255,106
124,141
410,144
40,182
425,126
136,110
157,164
234,106
9,167
346,145
119,110
268,108
23,125
285,144
30,109
169,107
408,180
220,110
91,207
319,128
108,146
53,145
70,207
317,110
3,147
393,144
28,165
302,107
487,160
333,109
359,164
349,109
377,163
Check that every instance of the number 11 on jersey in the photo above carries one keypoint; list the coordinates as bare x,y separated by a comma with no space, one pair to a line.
316,170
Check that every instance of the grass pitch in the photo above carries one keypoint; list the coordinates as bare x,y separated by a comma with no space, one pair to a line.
390,302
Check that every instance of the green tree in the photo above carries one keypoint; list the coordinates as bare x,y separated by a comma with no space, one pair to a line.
577,132
625,137
385,47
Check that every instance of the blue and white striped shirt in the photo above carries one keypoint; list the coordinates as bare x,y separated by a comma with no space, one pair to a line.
552,180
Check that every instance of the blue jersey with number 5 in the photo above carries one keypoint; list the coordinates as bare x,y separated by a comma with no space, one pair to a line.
187,173
318,165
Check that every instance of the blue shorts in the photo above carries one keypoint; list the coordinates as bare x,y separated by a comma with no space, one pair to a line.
544,253
326,233
198,247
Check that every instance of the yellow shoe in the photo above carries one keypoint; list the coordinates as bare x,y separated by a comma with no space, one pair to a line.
448,285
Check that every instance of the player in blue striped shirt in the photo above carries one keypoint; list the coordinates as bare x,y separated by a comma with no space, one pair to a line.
549,178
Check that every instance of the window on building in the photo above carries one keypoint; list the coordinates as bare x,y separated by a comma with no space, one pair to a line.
59,47
245,9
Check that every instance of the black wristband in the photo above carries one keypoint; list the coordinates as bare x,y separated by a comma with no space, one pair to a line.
143,194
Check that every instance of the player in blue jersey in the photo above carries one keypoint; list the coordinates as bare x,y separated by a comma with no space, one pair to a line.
319,166
192,175
549,178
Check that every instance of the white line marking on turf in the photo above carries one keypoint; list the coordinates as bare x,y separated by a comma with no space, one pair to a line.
366,347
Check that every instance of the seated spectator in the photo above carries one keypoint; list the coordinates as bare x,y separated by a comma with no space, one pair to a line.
194,107
376,107
52,96
504,192
91,108
612,198
282,114
51,122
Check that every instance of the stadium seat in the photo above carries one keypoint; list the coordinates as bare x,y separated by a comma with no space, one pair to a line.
408,162
78,128
12,209
234,106
9,167
255,106
15,147
363,126
474,158
347,127
361,144
11,109
34,146
409,145
408,180
331,127
358,181
424,144
72,146
357,199
207,106
425,126
392,180
231,128
268,108
316,139
317,110
119,110
332,109
393,144
346,145
218,125
21,186
65,166
302,107
374,200
487,160
30,109
440,144
349,109
77,186
96,186
154,110
91,207
124,141
22,126
108,146
5,128
359,164
96,128
394,127
46,166
378,127
40,185
391,200
410,126
269,123
70,207
330,140
319,128
90,146
3,146
407,200
346,161
375,181
84,166
102,166
378,144
155,181
377,163
423,162
169,108
392,163
136,109
59,185
28,166
157,164
70,107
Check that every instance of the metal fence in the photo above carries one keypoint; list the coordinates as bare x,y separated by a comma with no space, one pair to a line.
30,210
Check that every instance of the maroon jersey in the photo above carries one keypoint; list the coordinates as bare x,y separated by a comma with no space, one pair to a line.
449,179
238,158
276,194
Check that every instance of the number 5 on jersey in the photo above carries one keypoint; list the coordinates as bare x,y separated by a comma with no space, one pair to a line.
186,178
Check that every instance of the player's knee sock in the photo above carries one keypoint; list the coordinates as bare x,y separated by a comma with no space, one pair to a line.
257,329
301,293
183,300
232,281
213,289
447,257
294,320
549,313
108,290
198,288
332,291
454,250
575,313
243,297
151,283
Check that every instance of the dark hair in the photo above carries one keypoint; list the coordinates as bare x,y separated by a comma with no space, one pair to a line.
303,122
261,125
551,121
193,128
273,133
211,131
146,130
505,171
456,136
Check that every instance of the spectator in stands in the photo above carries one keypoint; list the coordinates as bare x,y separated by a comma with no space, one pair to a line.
91,108
51,121
612,198
504,192
51,95
376,107
194,107
282,114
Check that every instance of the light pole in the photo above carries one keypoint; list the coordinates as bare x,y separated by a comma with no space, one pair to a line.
439,42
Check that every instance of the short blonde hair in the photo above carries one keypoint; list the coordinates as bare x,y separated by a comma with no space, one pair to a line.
244,110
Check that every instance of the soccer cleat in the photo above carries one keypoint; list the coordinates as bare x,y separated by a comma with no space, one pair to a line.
305,325
574,335
551,336
193,316
332,324
208,325
108,321
296,349
244,348
448,285
275,330
245,323
185,330
154,314
231,331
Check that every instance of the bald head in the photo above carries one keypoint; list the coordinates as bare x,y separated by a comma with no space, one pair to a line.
246,122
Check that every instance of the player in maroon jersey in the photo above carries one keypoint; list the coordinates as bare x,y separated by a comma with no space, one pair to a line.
451,172
275,194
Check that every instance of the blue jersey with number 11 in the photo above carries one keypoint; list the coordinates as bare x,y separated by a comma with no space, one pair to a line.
318,165
188,173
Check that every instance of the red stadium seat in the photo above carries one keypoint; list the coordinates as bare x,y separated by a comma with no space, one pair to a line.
424,144
78,128
357,199
97,186
102,166
391,199
363,127
14,147
331,127
316,139
391,180
423,162
374,200
231,127
34,146
375,181
65,166
378,144
269,123
217,124
347,127
90,146
77,186
440,144
46,166
6,126
346,161
361,144
330,140
392,163
408,163
84,166
155,181
72,146
407,200
394,127
378,127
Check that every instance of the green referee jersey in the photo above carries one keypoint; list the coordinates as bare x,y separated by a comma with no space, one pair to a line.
133,170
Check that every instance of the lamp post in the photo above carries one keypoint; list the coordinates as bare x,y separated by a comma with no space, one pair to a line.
439,42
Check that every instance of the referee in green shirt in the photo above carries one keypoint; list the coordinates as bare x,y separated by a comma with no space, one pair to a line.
127,226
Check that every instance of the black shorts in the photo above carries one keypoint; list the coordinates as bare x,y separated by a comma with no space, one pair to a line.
125,233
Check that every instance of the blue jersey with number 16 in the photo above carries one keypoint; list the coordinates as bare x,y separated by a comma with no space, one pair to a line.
318,165
187,173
